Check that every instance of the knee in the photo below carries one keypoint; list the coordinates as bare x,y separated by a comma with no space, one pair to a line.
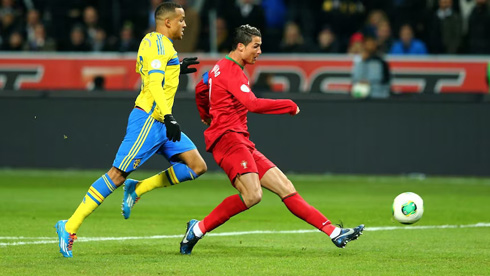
200,168
252,198
117,176
289,187
284,188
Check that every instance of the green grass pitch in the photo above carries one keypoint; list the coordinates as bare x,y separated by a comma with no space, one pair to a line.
32,201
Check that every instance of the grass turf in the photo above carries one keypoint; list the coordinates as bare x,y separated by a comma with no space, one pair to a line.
32,202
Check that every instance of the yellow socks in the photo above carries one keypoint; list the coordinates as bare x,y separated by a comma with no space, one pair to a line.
179,172
99,190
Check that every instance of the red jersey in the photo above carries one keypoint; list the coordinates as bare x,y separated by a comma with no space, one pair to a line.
227,99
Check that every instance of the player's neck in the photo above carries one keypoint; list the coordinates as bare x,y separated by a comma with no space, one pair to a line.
237,58
163,31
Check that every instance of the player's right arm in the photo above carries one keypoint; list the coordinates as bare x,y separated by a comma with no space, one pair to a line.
241,90
202,99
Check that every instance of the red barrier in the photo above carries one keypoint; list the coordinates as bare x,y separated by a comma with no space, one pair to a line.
294,73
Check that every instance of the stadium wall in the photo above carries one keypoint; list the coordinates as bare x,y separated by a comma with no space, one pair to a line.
431,134
330,74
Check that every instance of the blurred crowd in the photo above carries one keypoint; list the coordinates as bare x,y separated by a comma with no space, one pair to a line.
288,26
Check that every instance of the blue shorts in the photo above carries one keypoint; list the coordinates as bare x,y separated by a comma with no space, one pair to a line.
146,136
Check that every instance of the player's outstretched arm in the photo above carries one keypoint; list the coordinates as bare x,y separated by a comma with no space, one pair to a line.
185,63
263,106
270,106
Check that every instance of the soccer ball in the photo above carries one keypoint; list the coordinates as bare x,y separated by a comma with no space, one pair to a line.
408,208
360,90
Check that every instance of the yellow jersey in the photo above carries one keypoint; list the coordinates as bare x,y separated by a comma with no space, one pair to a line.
159,67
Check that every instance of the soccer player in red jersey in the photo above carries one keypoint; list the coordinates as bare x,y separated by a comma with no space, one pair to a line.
224,98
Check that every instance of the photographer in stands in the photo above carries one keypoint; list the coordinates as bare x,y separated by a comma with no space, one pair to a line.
371,74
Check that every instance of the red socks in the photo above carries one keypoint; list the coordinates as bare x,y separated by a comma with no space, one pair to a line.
300,208
231,206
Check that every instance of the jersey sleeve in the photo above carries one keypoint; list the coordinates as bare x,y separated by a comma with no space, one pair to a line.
172,74
241,90
202,97
161,80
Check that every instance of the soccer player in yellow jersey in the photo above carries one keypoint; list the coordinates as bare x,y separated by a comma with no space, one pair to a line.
151,128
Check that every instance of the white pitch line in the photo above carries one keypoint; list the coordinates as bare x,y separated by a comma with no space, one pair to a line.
47,240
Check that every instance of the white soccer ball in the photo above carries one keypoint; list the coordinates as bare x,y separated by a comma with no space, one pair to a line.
360,90
408,208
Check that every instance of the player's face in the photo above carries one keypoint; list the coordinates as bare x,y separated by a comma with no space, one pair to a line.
252,50
178,24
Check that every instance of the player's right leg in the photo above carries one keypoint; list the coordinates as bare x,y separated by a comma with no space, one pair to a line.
129,197
187,164
144,136
245,180
346,235
250,194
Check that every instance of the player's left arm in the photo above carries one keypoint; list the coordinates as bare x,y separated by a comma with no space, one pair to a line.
170,85
172,73
163,82
156,76
202,99
185,63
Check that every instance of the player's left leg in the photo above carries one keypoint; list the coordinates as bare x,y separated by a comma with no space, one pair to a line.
277,182
98,191
188,164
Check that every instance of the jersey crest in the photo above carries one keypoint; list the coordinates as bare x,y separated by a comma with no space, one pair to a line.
245,88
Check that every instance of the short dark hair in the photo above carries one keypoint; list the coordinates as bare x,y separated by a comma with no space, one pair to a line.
244,34
164,8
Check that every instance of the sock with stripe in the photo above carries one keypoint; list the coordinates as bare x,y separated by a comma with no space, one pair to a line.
176,174
99,190
231,206
300,208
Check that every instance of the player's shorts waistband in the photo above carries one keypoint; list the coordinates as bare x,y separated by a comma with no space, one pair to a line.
139,108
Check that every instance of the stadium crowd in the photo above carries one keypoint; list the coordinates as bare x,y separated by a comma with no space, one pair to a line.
288,26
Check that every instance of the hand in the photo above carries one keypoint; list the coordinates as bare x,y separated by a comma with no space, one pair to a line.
295,113
185,63
173,128
207,121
